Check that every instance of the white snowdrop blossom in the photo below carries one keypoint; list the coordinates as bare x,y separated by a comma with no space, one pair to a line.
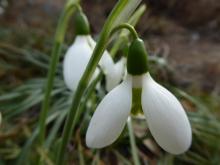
77,58
165,116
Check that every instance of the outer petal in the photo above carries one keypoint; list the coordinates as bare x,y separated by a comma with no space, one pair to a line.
75,61
110,116
114,72
114,77
166,117
106,62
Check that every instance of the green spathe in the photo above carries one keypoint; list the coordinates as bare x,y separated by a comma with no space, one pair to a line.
137,58
81,24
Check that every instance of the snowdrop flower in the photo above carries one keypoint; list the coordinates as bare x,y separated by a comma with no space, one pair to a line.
165,115
79,54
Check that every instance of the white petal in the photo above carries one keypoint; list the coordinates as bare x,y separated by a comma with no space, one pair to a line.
110,81
120,66
110,116
166,117
114,77
75,61
113,72
91,42
106,62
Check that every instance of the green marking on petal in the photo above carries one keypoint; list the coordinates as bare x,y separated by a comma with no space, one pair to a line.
136,101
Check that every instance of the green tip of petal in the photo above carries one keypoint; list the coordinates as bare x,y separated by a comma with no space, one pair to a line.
81,24
137,63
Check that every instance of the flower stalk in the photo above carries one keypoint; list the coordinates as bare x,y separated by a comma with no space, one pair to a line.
123,35
132,142
128,27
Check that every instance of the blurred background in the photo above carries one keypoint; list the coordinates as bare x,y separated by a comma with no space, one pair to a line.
184,34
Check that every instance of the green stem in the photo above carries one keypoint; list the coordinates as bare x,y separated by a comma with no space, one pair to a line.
132,142
59,37
124,36
80,151
46,102
97,53
126,26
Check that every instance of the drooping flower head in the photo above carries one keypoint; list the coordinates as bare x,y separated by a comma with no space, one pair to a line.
166,118
79,54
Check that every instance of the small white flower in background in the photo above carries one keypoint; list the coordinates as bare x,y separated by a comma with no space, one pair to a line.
79,54
77,58
165,115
